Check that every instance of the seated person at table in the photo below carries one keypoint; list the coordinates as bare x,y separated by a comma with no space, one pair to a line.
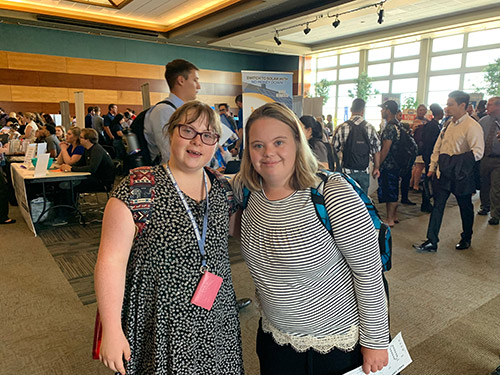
60,133
48,133
96,161
71,149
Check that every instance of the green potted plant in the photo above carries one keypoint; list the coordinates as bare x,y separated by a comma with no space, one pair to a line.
322,89
363,88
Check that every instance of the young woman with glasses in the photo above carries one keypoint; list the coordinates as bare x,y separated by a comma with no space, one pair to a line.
145,283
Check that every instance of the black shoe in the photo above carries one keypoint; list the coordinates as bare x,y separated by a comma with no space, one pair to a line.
483,212
426,247
408,202
427,209
243,302
462,245
493,221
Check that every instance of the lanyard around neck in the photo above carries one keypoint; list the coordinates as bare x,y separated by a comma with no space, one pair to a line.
200,238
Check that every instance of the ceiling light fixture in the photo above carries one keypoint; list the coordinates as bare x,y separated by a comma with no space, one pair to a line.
307,30
277,39
336,23
380,14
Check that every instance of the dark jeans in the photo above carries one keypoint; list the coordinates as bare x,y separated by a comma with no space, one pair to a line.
426,193
4,198
490,185
284,360
405,185
466,213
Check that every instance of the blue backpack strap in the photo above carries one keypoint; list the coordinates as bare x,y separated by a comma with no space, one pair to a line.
319,201
384,232
246,197
142,181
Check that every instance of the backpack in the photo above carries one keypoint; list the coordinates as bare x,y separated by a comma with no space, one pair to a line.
140,202
356,152
137,128
406,150
330,155
384,232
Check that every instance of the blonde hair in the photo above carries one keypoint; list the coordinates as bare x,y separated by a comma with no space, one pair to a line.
76,131
192,111
306,164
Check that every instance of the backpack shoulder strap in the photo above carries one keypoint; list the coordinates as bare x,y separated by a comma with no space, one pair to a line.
318,200
168,102
246,196
142,182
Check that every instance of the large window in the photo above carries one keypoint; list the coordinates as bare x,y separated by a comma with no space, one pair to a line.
453,62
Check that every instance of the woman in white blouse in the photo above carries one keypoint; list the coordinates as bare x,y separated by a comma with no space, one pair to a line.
31,126
321,296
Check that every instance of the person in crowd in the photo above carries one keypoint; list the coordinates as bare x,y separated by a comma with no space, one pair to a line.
10,124
39,120
224,111
47,119
388,182
292,258
184,83
490,163
472,112
116,128
31,126
430,133
417,128
94,160
107,119
98,124
481,109
239,124
4,189
459,145
363,146
48,133
128,120
3,117
20,119
71,149
329,124
399,115
145,282
88,117
314,135
60,133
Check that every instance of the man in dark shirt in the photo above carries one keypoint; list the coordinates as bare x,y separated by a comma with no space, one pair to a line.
88,118
108,118
388,189
430,134
96,161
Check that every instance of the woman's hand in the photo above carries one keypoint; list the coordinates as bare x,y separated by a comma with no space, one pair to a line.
114,348
374,359
63,145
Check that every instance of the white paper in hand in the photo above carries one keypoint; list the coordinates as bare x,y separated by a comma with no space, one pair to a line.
399,358
41,165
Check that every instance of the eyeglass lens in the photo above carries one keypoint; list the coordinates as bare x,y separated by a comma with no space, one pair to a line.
208,138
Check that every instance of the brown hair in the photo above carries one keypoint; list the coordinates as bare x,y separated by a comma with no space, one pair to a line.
178,68
76,133
306,164
89,134
192,111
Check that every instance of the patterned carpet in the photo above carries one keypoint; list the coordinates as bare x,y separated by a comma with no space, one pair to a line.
74,247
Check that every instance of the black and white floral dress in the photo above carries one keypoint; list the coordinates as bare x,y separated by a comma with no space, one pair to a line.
168,334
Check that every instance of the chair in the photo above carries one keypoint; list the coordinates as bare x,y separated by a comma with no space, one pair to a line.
117,162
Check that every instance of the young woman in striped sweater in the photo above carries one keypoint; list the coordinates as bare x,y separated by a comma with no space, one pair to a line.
321,296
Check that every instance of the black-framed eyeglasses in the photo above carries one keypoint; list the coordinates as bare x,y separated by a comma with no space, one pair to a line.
188,132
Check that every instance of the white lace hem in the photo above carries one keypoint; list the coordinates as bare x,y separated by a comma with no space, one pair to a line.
323,345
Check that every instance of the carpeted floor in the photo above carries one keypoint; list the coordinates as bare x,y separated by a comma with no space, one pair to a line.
74,247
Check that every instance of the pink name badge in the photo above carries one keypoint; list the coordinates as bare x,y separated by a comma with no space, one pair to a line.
206,291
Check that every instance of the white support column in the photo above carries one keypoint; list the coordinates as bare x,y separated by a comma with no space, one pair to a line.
423,72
